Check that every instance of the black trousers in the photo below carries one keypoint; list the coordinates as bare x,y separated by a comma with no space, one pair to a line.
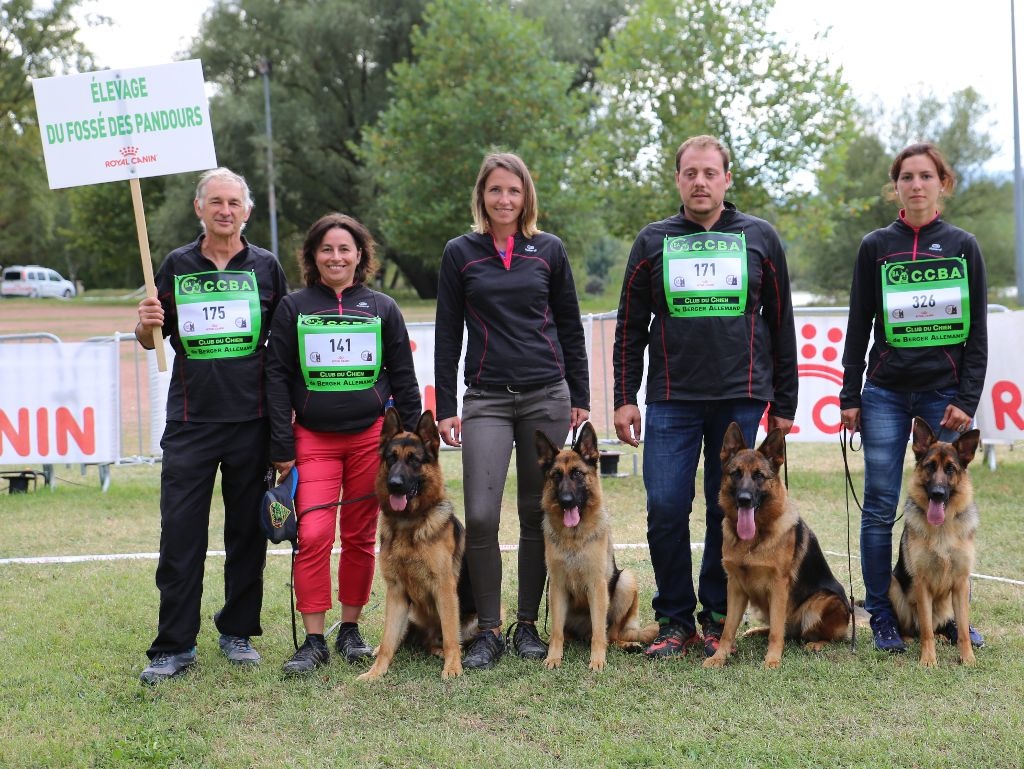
193,451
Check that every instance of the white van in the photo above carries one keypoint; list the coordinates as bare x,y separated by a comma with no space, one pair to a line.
33,280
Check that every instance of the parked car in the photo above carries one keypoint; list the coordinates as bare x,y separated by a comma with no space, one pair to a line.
33,280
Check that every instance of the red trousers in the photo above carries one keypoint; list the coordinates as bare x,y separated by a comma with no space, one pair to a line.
335,466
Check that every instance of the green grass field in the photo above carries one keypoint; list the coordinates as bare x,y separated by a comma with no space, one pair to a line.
73,637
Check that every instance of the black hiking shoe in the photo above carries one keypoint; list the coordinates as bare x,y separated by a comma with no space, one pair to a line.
485,651
311,655
526,641
350,645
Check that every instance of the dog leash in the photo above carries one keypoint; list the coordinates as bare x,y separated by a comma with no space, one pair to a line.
847,438
295,550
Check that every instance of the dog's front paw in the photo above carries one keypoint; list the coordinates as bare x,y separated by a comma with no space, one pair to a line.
968,659
772,663
597,664
372,674
815,646
929,660
553,662
453,670
717,661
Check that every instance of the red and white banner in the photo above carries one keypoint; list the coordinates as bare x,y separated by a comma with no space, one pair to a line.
59,403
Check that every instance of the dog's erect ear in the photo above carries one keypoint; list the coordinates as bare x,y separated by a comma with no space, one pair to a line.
586,445
923,438
774,447
732,443
426,428
392,427
546,450
966,446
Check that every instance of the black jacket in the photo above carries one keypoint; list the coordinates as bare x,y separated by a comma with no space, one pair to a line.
523,322
714,358
226,389
910,369
344,412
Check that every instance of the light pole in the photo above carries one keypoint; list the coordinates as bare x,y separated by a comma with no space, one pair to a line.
1018,190
264,69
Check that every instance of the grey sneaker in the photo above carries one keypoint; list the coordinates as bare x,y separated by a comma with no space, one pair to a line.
164,666
238,650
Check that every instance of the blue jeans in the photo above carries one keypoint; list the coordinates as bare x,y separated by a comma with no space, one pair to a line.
886,418
673,435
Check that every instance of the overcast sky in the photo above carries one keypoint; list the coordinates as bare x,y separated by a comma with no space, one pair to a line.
887,49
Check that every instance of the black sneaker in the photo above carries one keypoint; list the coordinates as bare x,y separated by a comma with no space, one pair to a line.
485,651
712,631
350,645
164,666
526,641
311,655
950,631
887,635
672,641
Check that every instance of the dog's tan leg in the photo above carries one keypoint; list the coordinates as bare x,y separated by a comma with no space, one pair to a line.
736,604
448,611
961,610
923,599
598,595
559,607
396,620
778,605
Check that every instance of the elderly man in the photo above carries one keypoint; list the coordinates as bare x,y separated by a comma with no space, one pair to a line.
215,299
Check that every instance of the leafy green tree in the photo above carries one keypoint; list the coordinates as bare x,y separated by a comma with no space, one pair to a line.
34,42
482,79
678,68
852,183
328,61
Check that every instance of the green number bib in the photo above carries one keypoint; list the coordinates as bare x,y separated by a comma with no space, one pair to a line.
339,352
926,303
705,274
218,313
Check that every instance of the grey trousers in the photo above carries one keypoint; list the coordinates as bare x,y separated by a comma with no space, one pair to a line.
492,422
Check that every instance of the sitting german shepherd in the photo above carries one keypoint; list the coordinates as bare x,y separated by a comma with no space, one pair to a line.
591,598
421,549
931,582
771,557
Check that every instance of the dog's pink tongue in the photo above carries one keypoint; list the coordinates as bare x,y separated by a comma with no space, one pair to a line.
571,517
936,512
398,502
745,526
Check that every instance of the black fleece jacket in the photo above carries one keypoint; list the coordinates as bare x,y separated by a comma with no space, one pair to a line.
708,358
344,412
909,369
225,389
523,320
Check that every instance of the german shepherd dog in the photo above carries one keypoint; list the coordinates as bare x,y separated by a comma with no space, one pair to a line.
931,582
772,558
421,549
591,597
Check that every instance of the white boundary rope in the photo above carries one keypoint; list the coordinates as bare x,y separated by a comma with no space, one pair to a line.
65,559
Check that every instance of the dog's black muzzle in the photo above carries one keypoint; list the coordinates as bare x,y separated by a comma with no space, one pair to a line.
400,482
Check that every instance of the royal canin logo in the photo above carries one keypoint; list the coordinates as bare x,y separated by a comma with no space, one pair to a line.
129,156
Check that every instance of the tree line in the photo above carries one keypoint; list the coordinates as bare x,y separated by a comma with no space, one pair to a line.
384,109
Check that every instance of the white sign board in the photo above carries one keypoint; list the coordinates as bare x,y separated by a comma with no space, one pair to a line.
59,403
114,125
